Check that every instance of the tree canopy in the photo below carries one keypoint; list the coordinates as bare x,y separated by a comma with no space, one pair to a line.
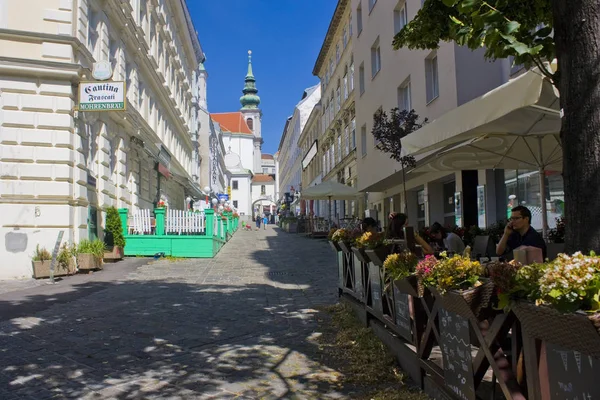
505,28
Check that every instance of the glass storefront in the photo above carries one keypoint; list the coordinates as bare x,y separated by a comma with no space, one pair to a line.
523,188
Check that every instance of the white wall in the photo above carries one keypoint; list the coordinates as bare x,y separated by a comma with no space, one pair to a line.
242,195
243,146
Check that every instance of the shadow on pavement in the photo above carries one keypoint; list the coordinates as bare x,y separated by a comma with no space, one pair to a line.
159,339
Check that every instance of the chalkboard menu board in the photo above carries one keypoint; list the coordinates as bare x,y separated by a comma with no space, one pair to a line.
572,375
375,282
456,348
402,309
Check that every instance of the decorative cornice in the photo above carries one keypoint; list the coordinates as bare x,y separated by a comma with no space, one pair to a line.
329,36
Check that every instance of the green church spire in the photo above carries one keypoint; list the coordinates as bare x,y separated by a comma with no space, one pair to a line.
250,99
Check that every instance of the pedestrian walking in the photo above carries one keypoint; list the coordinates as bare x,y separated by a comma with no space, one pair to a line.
258,220
265,222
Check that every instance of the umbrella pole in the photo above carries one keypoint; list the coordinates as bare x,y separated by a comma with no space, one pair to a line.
542,175
544,205
329,212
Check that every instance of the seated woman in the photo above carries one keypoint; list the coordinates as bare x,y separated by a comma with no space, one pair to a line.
452,242
395,231
369,225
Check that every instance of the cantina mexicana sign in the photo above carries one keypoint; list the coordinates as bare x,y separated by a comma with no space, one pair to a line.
102,96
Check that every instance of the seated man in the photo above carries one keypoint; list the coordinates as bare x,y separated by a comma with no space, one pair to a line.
518,232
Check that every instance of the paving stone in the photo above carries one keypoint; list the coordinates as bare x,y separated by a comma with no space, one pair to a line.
236,326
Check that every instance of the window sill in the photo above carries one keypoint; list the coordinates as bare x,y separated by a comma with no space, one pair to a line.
432,100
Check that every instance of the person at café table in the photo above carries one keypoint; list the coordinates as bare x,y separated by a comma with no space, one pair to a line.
369,225
519,232
452,242
395,231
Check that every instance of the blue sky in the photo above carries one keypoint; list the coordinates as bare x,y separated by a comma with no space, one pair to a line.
285,37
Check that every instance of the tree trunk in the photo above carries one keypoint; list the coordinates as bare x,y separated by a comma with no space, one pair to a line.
577,36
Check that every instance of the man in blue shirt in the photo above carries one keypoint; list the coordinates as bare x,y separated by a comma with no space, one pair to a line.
518,232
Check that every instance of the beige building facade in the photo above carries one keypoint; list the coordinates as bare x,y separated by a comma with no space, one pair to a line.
335,67
430,82
311,163
59,167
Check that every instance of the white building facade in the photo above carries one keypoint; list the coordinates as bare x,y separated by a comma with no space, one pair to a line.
59,167
430,82
289,172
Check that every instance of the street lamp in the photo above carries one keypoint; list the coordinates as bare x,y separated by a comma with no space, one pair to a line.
214,202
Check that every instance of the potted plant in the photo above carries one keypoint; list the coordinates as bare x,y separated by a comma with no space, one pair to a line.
343,238
401,267
367,240
458,282
377,249
41,262
333,243
161,204
400,283
113,235
89,254
65,260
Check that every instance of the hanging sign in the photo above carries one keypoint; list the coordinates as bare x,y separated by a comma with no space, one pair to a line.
102,96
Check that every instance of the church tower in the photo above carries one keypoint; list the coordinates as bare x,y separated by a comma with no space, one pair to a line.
252,114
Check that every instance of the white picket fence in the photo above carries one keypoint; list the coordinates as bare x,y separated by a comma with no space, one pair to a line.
141,222
184,222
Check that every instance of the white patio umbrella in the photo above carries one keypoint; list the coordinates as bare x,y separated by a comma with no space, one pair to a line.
515,126
330,190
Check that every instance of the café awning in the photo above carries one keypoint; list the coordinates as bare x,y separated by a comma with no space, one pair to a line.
523,109
515,126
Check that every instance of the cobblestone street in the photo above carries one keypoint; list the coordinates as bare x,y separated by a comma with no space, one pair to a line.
240,326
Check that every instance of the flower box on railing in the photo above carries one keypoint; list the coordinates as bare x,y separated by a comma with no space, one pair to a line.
361,255
377,256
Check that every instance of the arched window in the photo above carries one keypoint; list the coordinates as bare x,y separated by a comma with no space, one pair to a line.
250,123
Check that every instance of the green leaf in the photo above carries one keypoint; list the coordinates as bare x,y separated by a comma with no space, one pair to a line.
520,48
511,27
456,20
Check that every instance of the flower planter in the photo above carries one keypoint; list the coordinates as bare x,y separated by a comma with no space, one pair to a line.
361,255
409,285
114,255
86,261
345,247
335,246
467,302
569,351
41,269
574,331
292,227
378,255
